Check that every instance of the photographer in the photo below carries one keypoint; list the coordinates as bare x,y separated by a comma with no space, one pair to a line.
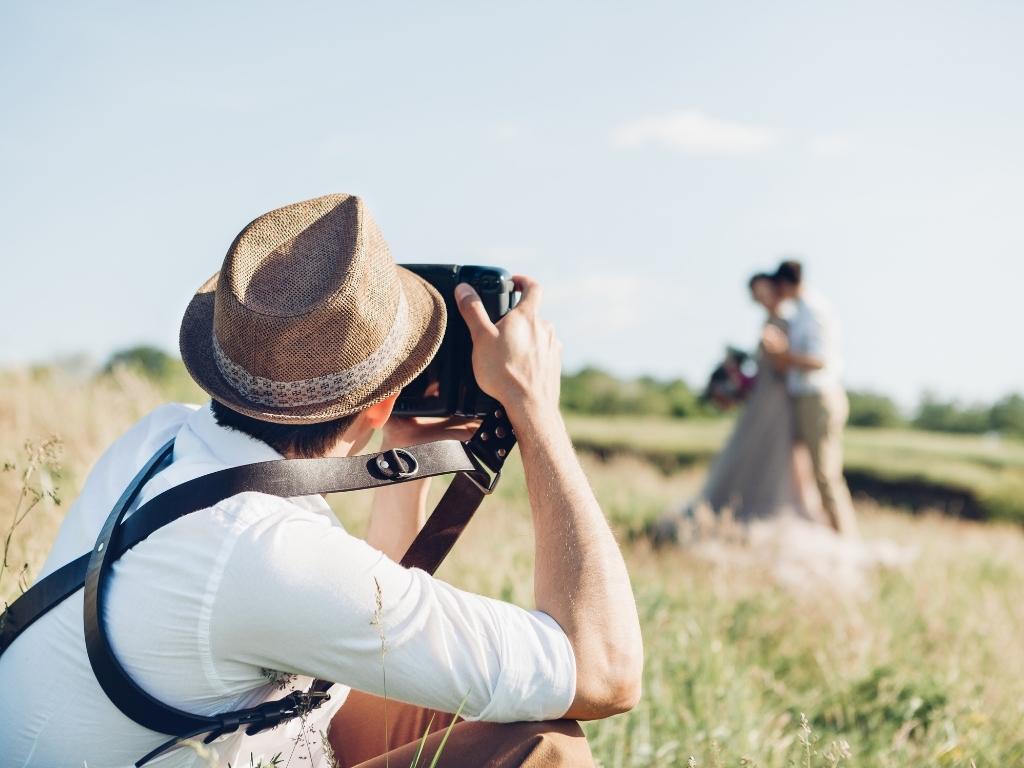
304,340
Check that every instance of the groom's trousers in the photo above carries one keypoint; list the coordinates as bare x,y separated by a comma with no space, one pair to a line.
820,418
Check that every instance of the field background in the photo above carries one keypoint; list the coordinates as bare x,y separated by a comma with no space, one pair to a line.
975,476
920,665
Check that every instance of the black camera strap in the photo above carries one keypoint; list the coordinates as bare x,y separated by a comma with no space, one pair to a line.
477,466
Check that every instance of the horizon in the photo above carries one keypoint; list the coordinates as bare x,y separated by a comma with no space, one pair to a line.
81,363
641,186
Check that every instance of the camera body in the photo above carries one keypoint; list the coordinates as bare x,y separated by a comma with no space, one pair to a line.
447,387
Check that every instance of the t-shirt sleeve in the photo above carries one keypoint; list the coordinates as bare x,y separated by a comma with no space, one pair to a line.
814,340
812,333
301,596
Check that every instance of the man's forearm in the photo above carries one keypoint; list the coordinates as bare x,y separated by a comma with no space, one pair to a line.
580,578
803,362
399,511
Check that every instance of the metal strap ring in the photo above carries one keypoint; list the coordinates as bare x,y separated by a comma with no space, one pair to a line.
397,464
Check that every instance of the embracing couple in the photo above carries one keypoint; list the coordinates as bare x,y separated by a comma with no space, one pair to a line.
793,417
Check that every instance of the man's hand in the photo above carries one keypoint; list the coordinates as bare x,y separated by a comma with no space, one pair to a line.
518,360
580,579
403,431
776,345
774,340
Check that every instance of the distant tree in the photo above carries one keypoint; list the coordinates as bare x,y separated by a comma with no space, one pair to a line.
683,402
950,416
148,360
591,390
164,370
871,409
1007,415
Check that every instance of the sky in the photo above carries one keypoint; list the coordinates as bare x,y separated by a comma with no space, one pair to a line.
640,159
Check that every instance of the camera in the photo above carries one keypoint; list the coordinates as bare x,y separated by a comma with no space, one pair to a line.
447,387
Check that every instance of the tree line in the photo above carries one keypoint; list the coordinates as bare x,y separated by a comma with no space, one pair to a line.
594,391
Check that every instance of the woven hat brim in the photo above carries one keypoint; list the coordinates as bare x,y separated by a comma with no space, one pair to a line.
427,320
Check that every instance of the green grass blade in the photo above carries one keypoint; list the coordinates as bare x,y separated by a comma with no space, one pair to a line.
448,732
423,742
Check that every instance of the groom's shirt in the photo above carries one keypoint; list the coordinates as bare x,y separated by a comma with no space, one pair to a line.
813,331
240,603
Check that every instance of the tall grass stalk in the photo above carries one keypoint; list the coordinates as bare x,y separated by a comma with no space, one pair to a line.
378,621
36,475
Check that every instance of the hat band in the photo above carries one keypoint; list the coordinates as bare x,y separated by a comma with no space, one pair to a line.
319,389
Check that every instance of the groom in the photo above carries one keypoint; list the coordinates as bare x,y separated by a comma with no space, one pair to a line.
810,357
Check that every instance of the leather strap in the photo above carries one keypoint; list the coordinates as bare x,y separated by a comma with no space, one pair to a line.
287,478
51,590
302,477
490,445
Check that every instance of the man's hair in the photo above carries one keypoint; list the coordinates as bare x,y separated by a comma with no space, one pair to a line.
757,276
300,441
790,272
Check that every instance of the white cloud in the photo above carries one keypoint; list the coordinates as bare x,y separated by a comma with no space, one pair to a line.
831,145
694,132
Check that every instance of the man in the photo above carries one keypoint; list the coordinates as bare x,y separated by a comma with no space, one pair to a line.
810,356
303,340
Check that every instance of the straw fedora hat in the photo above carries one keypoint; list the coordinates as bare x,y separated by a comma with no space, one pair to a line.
310,319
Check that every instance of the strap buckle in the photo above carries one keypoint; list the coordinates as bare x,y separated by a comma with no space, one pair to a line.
488,484
480,476
273,713
396,464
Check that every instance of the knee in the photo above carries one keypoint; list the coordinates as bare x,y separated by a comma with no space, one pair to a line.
561,743
553,742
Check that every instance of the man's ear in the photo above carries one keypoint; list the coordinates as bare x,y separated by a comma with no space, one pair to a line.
378,413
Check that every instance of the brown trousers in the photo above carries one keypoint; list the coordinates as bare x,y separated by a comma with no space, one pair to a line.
820,418
357,737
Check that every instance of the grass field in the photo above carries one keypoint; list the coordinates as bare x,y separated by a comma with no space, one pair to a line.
922,666
987,469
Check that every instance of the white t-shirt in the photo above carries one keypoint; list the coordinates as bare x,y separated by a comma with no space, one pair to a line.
239,603
813,331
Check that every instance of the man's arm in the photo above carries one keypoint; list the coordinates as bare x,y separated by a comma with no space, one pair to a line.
580,578
399,511
796,360
776,345
329,605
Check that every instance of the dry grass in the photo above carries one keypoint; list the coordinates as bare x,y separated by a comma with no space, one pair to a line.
85,416
923,666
